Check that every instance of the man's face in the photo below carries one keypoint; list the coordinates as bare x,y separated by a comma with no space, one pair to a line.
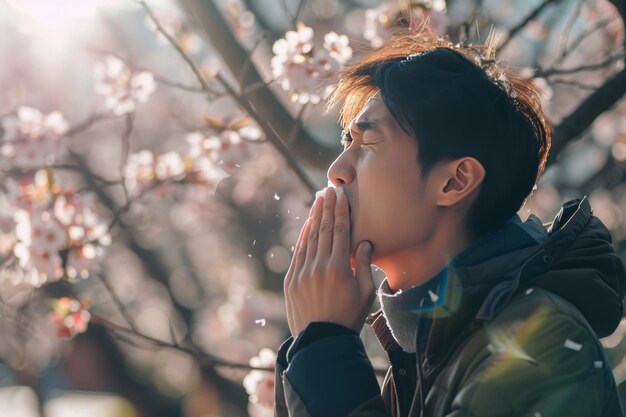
389,203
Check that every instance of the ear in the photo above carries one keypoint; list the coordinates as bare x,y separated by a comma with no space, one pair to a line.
460,180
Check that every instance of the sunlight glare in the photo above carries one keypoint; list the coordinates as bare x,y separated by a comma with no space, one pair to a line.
56,21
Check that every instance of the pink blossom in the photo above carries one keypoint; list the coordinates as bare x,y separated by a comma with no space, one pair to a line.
207,172
122,88
307,73
7,236
337,46
230,147
29,191
210,67
70,317
83,259
170,165
87,233
260,384
33,139
377,23
40,238
139,171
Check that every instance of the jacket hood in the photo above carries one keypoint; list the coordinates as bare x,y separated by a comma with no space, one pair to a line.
574,259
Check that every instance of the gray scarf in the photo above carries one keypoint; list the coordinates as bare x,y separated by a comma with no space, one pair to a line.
402,310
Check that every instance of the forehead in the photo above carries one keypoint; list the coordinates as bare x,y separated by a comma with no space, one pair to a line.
373,109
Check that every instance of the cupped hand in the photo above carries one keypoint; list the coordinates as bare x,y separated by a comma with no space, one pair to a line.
321,284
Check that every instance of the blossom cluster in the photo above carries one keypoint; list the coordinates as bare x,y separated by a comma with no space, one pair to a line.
70,317
207,160
32,139
260,384
308,73
145,169
121,87
56,231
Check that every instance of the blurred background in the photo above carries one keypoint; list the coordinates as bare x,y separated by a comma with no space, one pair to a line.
158,158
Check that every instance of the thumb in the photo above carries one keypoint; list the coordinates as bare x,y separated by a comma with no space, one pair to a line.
363,270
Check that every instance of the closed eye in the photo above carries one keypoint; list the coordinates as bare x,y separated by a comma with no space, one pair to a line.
346,140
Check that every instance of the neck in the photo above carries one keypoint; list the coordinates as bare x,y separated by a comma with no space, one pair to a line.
415,265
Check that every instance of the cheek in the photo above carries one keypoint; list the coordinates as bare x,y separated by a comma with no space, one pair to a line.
393,218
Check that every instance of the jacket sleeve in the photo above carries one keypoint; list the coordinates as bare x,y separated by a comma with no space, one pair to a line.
325,372
550,365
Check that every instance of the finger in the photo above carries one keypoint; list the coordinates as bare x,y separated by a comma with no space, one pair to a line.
301,254
341,229
292,265
289,278
325,240
314,229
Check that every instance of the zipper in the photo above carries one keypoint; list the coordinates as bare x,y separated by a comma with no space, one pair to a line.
395,393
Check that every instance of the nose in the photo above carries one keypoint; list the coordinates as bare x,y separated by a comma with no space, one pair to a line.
341,171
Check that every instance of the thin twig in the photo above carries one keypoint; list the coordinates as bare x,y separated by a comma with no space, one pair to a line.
576,84
568,29
15,172
125,139
513,31
251,88
194,67
296,17
588,67
87,123
271,135
118,302
201,356
180,86
246,65
580,38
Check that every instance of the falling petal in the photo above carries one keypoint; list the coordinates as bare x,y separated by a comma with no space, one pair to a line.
260,321
570,344
528,291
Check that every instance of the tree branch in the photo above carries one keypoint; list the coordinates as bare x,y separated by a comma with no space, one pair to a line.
515,29
209,18
580,119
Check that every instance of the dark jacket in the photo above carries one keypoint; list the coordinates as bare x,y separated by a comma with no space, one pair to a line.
514,333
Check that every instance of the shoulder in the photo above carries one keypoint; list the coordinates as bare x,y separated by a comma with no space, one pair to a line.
537,301
538,346
547,329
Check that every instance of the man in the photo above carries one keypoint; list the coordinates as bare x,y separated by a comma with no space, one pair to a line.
482,314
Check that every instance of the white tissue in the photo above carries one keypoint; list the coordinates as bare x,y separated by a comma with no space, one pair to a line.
322,192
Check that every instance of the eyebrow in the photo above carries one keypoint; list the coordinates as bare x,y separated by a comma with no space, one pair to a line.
364,125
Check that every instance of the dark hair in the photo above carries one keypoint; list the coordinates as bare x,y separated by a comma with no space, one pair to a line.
457,101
